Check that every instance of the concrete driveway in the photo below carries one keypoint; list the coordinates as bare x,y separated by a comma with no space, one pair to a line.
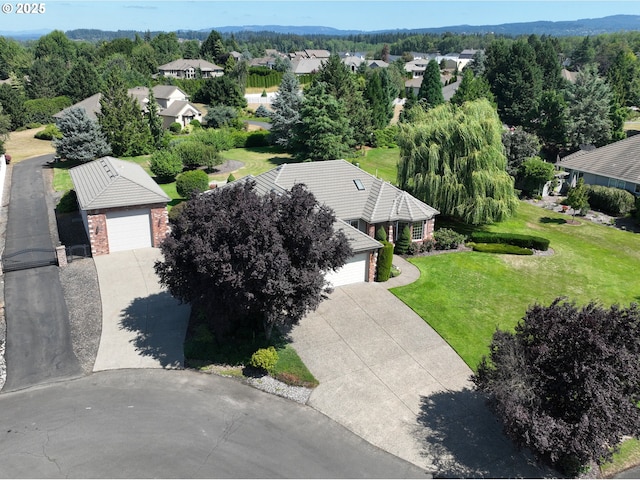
389,377
143,326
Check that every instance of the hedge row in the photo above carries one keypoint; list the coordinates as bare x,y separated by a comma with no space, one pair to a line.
524,241
613,201
501,248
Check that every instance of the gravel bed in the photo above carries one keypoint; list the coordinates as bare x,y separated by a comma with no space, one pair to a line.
79,281
276,387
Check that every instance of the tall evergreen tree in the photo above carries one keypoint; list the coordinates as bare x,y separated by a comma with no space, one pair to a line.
323,132
472,88
377,100
122,121
213,47
82,81
584,54
431,87
154,120
452,158
589,104
82,139
46,78
286,111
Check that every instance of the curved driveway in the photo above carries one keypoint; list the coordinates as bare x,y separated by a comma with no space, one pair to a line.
38,336
177,424
389,377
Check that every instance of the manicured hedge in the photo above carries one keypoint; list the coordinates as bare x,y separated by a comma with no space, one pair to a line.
385,260
524,241
501,248
613,201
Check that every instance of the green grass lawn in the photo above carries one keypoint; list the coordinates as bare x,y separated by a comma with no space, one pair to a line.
466,296
381,162
256,161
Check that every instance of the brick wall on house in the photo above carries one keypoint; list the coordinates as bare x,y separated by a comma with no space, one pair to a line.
429,228
371,272
97,223
159,225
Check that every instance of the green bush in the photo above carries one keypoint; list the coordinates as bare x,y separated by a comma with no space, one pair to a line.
501,248
381,234
41,110
262,112
195,124
385,137
385,261
220,139
447,239
230,178
524,241
192,181
195,154
175,127
68,202
49,133
614,201
176,210
403,241
201,345
165,165
265,359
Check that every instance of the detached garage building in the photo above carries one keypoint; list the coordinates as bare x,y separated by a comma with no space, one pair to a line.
122,207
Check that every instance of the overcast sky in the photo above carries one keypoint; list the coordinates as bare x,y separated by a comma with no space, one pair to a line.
365,15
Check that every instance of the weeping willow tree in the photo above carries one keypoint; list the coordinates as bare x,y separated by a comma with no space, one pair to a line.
452,158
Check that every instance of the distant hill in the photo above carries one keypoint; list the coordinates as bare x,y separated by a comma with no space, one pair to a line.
583,27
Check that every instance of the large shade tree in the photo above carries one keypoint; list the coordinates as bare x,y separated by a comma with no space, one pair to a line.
453,159
250,260
566,383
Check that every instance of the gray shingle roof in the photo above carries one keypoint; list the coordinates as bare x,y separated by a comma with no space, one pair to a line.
332,183
619,160
177,107
91,105
109,183
185,64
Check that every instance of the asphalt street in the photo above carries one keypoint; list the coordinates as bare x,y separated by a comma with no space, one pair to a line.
177,424
38,345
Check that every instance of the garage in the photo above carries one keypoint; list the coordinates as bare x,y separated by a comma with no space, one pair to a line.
128,229
122,207
354,271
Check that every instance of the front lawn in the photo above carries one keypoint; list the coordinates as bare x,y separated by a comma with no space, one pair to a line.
381,162
466,296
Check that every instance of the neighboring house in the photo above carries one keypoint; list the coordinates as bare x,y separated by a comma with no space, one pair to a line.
173,102
614,165
122,207
190,68
568,75
305,66
362,204
413,84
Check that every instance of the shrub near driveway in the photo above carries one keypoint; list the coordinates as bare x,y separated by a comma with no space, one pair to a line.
466,296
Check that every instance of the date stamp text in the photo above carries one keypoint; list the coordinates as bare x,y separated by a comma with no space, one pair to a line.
24,8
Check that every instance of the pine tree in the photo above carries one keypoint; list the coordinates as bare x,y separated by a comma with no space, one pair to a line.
452,158
471,88
286,111
578,198
121,120
377,101
431,87
323,132
82,81
154,120
82,140
589,104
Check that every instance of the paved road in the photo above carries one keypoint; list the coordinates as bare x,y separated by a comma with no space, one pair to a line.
38,346
177,424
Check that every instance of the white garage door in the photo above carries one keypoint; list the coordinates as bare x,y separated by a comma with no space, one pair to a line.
128,230
354,271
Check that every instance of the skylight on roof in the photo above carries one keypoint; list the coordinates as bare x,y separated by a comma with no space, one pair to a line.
359,184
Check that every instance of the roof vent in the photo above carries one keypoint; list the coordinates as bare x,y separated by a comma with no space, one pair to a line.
358,184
